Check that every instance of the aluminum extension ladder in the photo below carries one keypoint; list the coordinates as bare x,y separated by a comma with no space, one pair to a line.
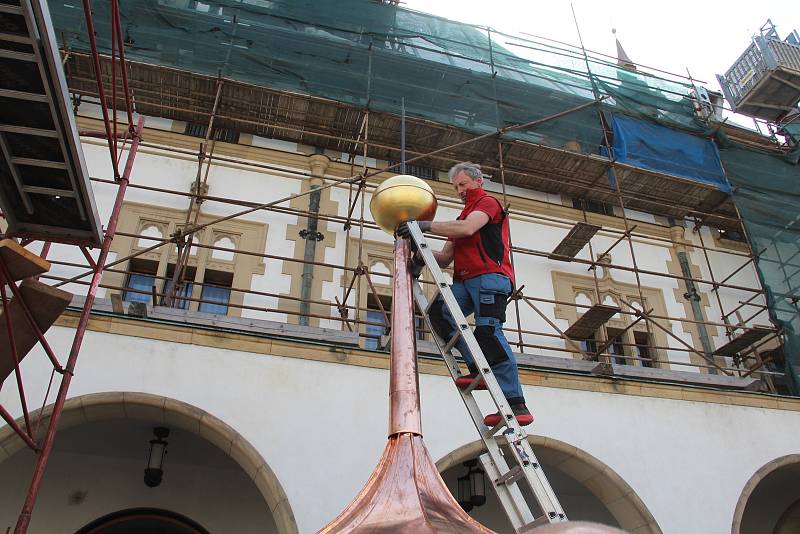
527,469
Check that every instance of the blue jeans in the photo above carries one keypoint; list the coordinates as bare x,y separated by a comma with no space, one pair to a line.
486,297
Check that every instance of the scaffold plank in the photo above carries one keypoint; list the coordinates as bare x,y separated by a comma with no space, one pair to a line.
742,341
577,238
21,263
46,303
590,321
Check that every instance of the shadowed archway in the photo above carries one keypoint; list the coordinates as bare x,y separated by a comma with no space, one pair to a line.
97,408
602,492
768,502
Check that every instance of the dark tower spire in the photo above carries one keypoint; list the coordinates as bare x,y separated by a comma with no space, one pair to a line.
622,58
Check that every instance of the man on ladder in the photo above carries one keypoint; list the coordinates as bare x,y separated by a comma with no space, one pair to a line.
479,246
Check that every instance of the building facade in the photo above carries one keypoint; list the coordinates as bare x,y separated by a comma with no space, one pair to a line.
243,307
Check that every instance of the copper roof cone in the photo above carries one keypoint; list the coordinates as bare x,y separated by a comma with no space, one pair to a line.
405,492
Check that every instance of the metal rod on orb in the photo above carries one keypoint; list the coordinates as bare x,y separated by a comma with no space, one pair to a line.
403,135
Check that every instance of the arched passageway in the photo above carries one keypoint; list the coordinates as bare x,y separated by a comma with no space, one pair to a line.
587,489
770,501
212,476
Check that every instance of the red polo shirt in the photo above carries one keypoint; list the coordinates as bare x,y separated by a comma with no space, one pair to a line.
487,250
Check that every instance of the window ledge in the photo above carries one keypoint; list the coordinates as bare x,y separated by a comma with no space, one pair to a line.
245,325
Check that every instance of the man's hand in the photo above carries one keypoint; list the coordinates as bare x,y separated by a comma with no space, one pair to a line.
404,233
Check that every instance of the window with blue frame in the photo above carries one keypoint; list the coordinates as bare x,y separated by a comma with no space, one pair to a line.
215,299
139,287
642,348
184,293
374,331
182,296
616,349
140,282
215,288
589,346
377,324
216,292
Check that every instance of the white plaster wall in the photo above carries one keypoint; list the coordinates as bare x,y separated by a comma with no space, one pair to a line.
168,170
676,455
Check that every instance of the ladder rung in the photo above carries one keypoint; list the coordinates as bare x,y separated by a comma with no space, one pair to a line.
538,522
431,302
452,343
477,381
512,476
489,434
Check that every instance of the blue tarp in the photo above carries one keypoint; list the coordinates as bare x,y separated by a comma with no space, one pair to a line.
658,148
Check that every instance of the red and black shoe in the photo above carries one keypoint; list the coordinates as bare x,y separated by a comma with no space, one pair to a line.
524,417
464,381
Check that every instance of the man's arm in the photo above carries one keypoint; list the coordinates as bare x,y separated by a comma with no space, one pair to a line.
458,229
444,257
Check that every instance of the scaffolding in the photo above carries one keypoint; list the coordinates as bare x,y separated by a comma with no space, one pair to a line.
514,153
29,308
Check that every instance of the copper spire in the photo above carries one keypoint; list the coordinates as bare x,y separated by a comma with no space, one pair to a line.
405,493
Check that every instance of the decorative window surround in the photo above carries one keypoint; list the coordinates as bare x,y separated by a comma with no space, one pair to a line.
136,218
378,258
570,287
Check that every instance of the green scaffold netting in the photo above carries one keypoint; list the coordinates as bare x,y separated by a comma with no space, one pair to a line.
366,53
767,193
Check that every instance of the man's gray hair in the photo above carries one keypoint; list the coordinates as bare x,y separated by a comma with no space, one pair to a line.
473,170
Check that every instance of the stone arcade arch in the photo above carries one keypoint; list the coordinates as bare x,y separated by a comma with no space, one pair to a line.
769,499
98,407
606,488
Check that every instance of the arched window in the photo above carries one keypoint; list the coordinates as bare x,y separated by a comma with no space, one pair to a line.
223,242
149,230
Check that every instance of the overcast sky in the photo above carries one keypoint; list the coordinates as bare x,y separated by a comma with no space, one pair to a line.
704,36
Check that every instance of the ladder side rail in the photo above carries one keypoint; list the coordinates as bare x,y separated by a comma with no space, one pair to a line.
515,436
441,345
463,328
510,495
537,480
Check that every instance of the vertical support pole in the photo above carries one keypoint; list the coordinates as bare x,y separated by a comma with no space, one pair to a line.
650,337
13,345
123,72
347,225
87,11
45,250
403,135
598,299
191,213
520,344
362,187
47,443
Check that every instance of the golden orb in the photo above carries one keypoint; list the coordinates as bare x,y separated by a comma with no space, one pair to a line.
401,199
